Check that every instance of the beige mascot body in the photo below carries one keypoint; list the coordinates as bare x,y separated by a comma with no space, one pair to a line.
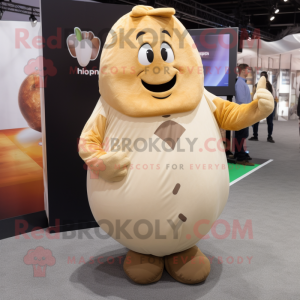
153,146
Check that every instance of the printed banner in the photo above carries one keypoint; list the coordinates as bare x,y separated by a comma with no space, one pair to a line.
21,159
72,45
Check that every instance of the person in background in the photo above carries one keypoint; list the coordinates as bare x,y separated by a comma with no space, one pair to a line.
270,117
298,107
242,96
298,110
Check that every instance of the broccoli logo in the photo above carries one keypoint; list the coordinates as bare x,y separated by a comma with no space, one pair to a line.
39,258
42,67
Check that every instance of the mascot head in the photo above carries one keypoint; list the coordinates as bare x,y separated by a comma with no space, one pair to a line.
150,65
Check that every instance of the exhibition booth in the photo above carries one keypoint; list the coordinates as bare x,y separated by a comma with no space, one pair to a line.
56,83
281,59
62,118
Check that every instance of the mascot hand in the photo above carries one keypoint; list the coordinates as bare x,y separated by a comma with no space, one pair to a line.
112,166
264,97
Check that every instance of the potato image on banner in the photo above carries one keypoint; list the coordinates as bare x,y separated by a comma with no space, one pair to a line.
30,102
84,46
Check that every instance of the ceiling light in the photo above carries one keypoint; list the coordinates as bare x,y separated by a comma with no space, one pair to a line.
276,10
285,0
32,18
272,17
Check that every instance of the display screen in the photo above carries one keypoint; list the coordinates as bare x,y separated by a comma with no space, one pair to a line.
218,50
215,58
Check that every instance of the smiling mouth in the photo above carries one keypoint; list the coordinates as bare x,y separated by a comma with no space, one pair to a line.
159,88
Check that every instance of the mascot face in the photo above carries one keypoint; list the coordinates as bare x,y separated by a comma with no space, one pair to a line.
150,66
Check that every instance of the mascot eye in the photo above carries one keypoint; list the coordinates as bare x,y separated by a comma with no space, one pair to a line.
146,55
167,53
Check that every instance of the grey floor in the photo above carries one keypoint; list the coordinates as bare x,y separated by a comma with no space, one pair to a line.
268,199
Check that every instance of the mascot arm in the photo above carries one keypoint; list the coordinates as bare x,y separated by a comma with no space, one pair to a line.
232,116
91,139
110,166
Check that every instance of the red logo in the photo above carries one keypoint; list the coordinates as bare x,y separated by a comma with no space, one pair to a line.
41,66
39,258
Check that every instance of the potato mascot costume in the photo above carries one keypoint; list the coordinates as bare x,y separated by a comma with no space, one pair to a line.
157,175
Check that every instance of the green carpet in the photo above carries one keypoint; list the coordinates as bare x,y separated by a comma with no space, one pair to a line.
236,171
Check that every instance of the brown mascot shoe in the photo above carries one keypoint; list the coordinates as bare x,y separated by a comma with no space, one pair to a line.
190,266
143,268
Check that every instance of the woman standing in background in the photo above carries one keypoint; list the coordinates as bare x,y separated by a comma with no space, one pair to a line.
270,117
